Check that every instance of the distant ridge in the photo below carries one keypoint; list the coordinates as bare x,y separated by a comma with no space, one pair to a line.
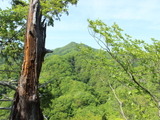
71,47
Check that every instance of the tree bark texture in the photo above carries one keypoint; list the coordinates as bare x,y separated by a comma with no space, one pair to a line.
26,105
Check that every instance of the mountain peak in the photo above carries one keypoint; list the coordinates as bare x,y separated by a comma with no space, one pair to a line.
71,47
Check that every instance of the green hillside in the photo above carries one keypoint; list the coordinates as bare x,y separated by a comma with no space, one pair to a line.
78,82
66,49
69,48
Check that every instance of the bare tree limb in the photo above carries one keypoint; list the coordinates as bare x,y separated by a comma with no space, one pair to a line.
3,100
6,97
4,108
48,51
119,101
8,70
7,84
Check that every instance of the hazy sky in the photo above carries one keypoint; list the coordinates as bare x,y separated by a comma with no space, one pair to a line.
138,18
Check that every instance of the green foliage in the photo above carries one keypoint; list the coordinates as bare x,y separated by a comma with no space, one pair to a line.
12,28
12,32
78,83
71,47
4,114
81,83
53,9
134,58
75,85
9,72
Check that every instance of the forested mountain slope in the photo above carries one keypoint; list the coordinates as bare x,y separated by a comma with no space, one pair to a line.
78,82
81,83
69,48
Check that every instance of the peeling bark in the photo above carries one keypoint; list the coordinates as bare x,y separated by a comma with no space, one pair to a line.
26,105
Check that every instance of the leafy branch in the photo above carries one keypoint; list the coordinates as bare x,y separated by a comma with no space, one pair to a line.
108,36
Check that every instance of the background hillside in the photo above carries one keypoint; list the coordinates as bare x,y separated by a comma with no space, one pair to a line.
69,48
78,82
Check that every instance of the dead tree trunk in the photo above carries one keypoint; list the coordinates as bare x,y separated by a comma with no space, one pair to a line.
26,105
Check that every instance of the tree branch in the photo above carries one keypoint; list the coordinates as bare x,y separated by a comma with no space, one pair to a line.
129,73
4,108
8,70
5,100
119,101
8,84
48,51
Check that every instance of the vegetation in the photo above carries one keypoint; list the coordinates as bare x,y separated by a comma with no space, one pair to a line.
26,99
118,82
90,84
80,85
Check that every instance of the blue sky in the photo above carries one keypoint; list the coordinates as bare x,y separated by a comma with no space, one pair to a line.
138,18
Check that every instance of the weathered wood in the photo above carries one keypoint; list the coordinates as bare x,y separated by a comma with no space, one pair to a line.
26,104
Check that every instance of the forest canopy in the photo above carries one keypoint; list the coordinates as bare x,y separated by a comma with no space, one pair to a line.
84,83
119,81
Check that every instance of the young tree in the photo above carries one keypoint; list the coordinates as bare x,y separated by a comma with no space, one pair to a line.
138,60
